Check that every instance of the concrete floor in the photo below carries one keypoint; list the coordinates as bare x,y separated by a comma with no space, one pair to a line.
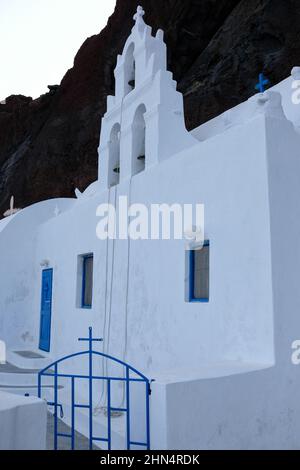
81,442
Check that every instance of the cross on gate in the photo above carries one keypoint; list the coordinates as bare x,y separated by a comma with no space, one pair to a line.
263,81
90,339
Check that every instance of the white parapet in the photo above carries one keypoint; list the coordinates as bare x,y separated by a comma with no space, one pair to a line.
23,422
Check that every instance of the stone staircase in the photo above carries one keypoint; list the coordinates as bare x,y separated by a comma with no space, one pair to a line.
20,373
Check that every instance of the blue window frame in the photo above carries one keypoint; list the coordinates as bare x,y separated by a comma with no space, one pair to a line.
87,281
199,274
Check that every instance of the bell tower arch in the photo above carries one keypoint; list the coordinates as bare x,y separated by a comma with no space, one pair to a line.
146,105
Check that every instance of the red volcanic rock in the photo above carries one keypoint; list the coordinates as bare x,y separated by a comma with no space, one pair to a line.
216,49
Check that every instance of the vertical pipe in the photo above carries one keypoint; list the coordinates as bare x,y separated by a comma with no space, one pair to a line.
91,388
55,406
73,413
109,413
128,407
148,414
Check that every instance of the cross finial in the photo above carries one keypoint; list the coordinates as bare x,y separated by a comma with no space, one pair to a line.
262,83
139,14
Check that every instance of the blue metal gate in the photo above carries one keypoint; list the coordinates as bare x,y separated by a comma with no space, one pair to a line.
130,376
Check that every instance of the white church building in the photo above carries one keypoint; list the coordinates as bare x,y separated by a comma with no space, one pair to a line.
211,328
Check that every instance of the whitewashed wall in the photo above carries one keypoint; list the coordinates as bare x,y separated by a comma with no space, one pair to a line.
20,274
165,332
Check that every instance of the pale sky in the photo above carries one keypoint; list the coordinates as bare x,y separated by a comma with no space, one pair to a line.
39,40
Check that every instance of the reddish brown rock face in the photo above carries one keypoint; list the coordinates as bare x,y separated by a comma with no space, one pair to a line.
216,48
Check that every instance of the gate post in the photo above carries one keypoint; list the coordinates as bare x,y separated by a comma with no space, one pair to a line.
90,340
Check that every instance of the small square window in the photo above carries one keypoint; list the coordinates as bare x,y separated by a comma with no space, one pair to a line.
199,274
87,281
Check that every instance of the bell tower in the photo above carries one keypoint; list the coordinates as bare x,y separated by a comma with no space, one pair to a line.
144,123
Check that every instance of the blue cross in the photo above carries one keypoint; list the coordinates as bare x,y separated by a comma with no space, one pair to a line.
90,339
262,82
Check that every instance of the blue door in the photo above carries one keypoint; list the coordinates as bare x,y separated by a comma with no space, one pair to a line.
46,307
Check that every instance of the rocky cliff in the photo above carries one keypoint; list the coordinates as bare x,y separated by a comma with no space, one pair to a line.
216,50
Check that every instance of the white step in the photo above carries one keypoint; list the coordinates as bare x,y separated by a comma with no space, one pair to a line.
15,376
28,359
